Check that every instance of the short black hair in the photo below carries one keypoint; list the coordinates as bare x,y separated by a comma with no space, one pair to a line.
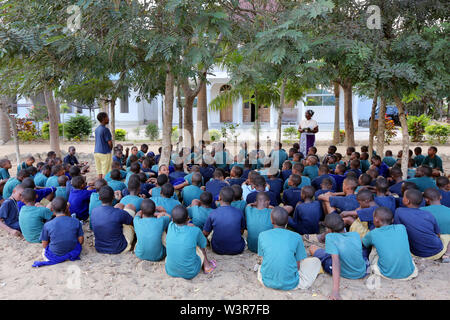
238,171
263,195
28,183
323,168
22,174
206,198
59,204
237,191
382,185
62,180
101,116
197,179
162,180
57,168
106,194
218,173
364,195
432,194
142,177
115,174
32,170
414,196
442,181
28,195
327,182
426,170
418,149
308,191
279,216
99,183
260,181
333,147
148,207
334,221
396,172
135,167
226,194
134,183
74,171
179,214
434,148
77,182
351,182
167,190
296,179
384,214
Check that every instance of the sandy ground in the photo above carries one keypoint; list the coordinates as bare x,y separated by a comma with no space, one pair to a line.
99,276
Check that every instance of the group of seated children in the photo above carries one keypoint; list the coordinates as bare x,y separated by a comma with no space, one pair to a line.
356,217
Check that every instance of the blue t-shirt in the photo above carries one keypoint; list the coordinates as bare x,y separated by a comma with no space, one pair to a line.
227,223
166,203
175,176
386,201
317,181
107,224
397,188
419,159
383,170
424,183
280,249
239,204
305,182
4,174
69,159
52,182
339,178
349,248
292,196
134,200
251,198
190,193
63,233
311,171
285,174
116,185
366,215
422,229
79,202
257,221
148,233
181,243
214,186
198,215
40,179
9,187
238,181
9,212
123,175
392,246
306,218
102,136
347,203
31,220
442,216
445,197
156,192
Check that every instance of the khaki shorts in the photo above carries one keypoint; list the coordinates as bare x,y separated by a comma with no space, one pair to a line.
361,227
128,232
445,238
309,269
373,258
103,162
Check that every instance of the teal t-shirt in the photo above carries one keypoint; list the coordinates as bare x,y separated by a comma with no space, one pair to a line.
349,248
305,182
190,193
392,246
257,221
52,182
4,174
116,185
40,180
134,200
311,172
9,187
188,178
390,161
61,192
123,175
156,192
181,242
239,204
442,215
166,203
364,165
280,249
31,221
419,159
148,233
424,183
199,214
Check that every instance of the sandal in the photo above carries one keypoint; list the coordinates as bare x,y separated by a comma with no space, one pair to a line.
445,259
214,265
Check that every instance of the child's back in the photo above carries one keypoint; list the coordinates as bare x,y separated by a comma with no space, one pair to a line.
167,203
63,233
257,221
311,172
116,185
386,201
61,192
149,231
79,202
239,204
31,221
199,214
306,218
190,193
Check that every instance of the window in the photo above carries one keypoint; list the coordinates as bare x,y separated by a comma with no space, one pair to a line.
320,97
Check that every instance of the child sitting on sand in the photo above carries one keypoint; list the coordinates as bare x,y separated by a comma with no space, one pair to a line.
257,218
9,212
306,214
200,209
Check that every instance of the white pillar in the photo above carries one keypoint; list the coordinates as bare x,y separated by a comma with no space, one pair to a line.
160,111
273,117
208,100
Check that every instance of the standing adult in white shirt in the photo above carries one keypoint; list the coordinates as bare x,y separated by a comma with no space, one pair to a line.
308,129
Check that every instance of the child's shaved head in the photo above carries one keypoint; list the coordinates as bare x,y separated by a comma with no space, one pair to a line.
334,222
237,190
148,207
28,195
414,196
197,179
99,183
364,195
442,182
432,194
296,179
308,192
206,198
59,205
382,185
179,214
279,216
384,215
262,196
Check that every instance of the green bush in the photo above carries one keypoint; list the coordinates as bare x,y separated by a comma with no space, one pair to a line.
78,127
438,133
291,133
152,131
214,135
416,127
46,130
175,134
26,136
120,134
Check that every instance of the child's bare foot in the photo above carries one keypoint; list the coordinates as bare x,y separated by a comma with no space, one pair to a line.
209,265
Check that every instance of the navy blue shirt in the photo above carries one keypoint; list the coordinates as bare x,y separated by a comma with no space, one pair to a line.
174,176
319,192
9,212
306,218
63,233
397,188
207,173
72,160
386,201
366,215
285,174
251,198
339,181
422,229
245,173
214,186
276,186
68,188
317,181
238,181
356,171
445,198
227,223
291,196
102,136
383,170
79,202
107,224
42,193
347,203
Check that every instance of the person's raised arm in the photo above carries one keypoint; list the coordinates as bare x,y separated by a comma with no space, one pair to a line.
81,240
336,267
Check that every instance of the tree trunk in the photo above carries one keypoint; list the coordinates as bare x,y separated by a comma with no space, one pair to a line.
405,135
280,109
4,110
202,132
336,131
5,134
53,121
168,115
372,123
381,127
188,126
348,114
257,125
112,119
